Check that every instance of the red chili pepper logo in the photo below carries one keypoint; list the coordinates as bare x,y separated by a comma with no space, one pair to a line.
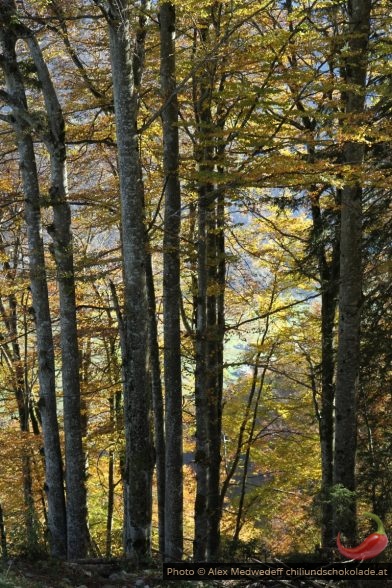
370,547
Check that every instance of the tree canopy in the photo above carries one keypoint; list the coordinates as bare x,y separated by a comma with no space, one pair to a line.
195,240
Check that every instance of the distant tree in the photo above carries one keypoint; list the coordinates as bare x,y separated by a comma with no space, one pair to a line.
13,312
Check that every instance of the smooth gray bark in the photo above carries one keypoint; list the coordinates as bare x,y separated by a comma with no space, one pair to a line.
350,292
46,367
139,459
60,231
171,289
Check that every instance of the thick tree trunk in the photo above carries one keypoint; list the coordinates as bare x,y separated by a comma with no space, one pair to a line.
171,289
350,292
139,459
46,369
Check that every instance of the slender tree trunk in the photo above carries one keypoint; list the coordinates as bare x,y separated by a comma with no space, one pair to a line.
3,536
245,420
329,275
328,310
208,380
213,401
157,404
139,459
10,320
210,319
171,289
201,398
204,157
350,293
110,506
60,232
114,370
31,520
216,322
244,477
46,369
242,430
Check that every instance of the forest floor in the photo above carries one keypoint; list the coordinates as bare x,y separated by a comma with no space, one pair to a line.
54,574
49,574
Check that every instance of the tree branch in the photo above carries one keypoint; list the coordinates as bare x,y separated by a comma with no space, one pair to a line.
270,312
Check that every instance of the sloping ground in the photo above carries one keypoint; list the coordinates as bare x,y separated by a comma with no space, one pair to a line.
101,574
48,574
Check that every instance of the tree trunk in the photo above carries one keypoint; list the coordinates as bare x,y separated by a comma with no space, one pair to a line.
328,310
171,289
329,274
201,398
239,522
46,368
139,459
210,317
208,379
10,320
115,418
216,321
60,231
3,536
110,507
213,400
157,404
230,472
350,292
